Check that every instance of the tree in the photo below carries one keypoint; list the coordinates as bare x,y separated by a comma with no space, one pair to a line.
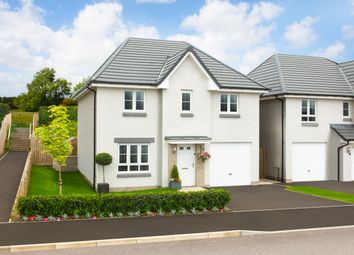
44,90
103,159
55,137
81,84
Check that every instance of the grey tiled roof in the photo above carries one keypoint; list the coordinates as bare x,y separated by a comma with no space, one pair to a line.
345,131
148,62
348,69
307,75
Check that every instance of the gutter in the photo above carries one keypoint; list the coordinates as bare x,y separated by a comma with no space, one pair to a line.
338,159
282,137
94,137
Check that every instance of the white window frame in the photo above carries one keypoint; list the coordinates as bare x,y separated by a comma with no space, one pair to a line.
308,115
349,112
138,163
134,101
190,92
228,110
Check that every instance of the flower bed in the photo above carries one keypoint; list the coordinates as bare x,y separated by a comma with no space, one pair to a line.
50,208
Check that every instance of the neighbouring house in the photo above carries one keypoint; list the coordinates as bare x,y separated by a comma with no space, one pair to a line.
156,103
306,124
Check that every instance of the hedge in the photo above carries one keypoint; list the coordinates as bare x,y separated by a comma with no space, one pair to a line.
124,204
4,109
44,118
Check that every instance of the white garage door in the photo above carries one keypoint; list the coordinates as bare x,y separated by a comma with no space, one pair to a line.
230,164
309,162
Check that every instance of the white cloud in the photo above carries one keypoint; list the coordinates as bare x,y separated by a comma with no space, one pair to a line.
256,56
301,34
332,51
157,1
28,44
227,30
348,32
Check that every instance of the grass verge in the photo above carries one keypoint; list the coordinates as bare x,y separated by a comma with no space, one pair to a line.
325,193
22,117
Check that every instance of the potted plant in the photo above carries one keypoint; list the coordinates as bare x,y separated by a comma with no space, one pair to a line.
103,159
175,181
203,155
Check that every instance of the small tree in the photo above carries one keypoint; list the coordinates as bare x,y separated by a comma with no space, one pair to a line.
55,137
175,174
103,159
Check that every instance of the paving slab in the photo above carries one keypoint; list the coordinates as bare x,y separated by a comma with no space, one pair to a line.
11,168
346,187
274,196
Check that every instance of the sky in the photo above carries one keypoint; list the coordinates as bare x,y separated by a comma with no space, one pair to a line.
75,36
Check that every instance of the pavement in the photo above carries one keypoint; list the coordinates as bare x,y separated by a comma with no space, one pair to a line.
264,197
11,168
271,220
346,187
324,242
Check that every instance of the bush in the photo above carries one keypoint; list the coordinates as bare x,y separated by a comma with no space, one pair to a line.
4,109
69,102
175,174
103,159
122,204
44,118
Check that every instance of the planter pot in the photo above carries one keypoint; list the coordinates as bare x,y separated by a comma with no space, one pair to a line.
102,187
174,185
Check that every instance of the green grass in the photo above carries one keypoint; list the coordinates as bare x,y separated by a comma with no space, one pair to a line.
146,191
44,181
22,117
330,194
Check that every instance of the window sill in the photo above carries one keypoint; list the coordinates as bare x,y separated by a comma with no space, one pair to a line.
229,115
347,119
134,114
309,124
187,114
133,175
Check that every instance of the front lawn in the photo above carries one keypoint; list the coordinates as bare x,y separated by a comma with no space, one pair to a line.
329,194
44,181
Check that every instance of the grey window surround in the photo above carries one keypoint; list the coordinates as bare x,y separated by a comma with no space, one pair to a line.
134,140
133,175
134,114
187,114
308,124
347,119
230,115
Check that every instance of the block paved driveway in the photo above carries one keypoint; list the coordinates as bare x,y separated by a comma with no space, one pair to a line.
269,197
11,168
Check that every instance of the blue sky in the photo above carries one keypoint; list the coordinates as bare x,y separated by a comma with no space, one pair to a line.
76,36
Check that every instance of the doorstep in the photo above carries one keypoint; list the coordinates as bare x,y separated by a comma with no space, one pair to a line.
189,189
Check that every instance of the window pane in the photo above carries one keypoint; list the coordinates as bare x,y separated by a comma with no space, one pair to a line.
186,106
144,154
223,103
233,99
304,118
122,159
304,103
186,97
312,111
233,107
122,168
312,118
139,105
122,154
128,100
133,153
134,168
223,107
123,149
346,109
144,168
312,103
144,158
144,149
223,99
139,96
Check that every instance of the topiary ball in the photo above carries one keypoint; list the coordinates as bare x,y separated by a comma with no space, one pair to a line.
103,159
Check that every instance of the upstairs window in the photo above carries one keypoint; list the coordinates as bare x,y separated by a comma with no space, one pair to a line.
308,110
346,110
134,101
186,101
228,103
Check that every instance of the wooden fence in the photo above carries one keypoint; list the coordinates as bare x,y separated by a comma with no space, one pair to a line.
23,187
6,124
39,157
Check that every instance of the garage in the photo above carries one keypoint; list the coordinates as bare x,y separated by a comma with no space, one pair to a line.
309,162
230,164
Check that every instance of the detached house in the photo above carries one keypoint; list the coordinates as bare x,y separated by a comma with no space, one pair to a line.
306,124
156,103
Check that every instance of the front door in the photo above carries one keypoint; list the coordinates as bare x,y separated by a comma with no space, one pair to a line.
186,164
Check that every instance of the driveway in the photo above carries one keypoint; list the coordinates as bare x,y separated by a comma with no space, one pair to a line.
11,168
266,197
347,187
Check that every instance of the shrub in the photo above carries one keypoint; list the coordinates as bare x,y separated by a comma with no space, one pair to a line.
175,174
103,159
44,118
4,109
124,204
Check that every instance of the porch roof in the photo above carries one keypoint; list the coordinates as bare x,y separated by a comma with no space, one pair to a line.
187,138
345,131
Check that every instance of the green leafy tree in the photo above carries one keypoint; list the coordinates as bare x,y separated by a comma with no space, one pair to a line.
81,84
44,90
55,137
103,159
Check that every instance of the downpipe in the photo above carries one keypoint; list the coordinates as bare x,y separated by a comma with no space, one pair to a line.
338,159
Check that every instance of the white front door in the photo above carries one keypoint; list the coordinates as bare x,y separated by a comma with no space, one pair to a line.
186,164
